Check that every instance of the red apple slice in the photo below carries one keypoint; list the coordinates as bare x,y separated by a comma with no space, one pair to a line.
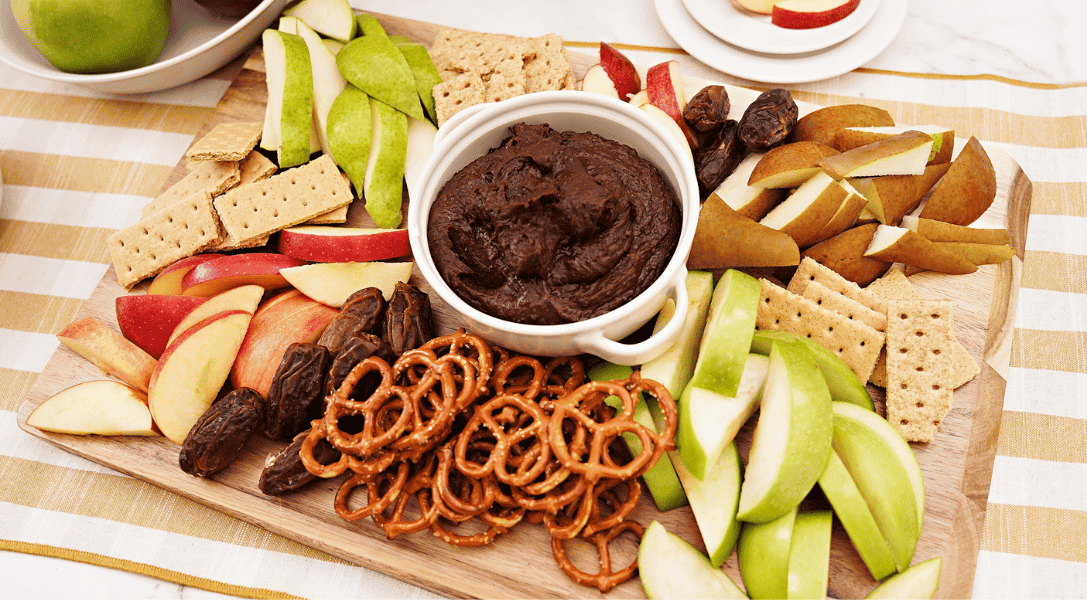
169,280
246,298
809,14
622,73
108,350
318,243
147,320
234,270
596,80
664,85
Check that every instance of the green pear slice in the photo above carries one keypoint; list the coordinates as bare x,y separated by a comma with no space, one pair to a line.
792,438
714,501
420,145
708,421
384,186
918,581
349,129
374,65
327,81
886,473
289,111
763,551
425,73
369,25
726,340
809,556
670,567
856,518
330,18
841,380
675,366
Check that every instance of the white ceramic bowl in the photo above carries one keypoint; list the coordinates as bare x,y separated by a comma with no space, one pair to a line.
472,133
200,42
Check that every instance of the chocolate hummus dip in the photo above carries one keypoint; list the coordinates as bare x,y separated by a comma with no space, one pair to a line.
553,227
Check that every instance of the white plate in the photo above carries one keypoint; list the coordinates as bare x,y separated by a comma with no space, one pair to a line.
200,42
775,68
755,32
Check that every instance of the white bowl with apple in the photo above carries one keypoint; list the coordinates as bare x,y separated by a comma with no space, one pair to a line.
153,44
473,132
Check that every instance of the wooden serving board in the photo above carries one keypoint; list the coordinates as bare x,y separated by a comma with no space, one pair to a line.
957,465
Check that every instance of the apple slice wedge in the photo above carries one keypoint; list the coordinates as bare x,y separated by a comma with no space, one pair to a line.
168,282
148,320
856,518
246,298
671,568
763,551
323,243
333,283
664,84
726,341
229,271
809,555
620,70
918,581
714,500
596,80
810,14
104,407
108,350
842,382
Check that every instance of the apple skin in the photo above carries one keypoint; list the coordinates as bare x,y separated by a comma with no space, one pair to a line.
192,370
246,298
664,84
670,567
763,7
841,380
147,320
763,551
809,14
792,438
322,243
726,340
215,276
714,501
597,81
108,350
809,555
90,36
856,518
620,70
103,407
918,581
287,318
168,281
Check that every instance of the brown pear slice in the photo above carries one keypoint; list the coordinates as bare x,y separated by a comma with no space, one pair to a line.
724,239
821,125
979,254
902,154
845,217
898,244
808,209
966,191
844,253
789,165
943,139
748,201
938,231
892,196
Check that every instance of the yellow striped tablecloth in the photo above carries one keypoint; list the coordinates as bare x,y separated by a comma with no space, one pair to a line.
77,166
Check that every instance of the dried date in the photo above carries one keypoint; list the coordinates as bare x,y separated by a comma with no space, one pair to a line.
219,435
298,386
408,318
708,110
768,120
284,471
718,159
362,312
356,350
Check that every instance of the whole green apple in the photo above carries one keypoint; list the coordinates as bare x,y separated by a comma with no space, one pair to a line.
92,36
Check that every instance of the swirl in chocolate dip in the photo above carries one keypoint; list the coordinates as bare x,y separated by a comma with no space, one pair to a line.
553,227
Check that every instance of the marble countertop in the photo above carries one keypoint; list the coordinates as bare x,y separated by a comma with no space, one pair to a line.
1037,43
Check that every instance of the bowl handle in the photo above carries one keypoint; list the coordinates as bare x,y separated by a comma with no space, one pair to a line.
594,342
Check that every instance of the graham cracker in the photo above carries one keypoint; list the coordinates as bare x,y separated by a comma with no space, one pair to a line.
212,176
812,270
284,199
332,217
256,167
457,94
154,242
843,305
506,81
854,342
919,394
549,68
227,141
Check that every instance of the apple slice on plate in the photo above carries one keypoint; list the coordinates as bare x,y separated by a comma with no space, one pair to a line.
810,14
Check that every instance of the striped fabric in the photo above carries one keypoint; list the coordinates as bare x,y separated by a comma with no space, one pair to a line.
78,166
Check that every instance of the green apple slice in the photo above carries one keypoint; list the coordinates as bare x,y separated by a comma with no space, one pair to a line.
708,421
374,65
856,518
763,551
420,145
384,185
842,381
330,18
349,129
675,366
327,81
714,501
426,75
918,581
791,443
726,340
289,110
885,476
661,479
670,567
809,555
